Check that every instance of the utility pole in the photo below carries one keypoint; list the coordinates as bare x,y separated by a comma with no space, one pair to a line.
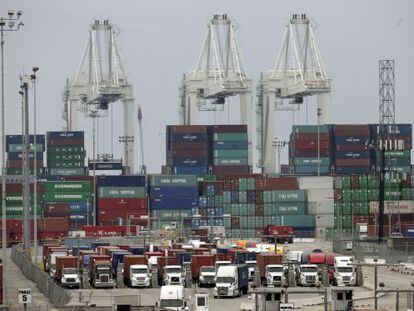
11,19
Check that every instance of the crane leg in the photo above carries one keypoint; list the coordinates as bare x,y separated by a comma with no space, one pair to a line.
324,104
189,114
269,133
246,118
129,135
72,115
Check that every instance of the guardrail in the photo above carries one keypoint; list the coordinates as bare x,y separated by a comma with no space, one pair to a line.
56,294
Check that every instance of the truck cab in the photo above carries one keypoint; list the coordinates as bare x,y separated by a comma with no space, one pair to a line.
307,275
275,275
251,264
207,275
139,276
174,275
172,298
344,274
102,274
52,262
228,282
70,278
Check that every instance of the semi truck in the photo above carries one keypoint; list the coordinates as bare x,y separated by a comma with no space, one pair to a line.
272,272
67,274
307,275
51,260
136,272
207,276
100,272
278,234
251,264
231,281
172,297
345,274
174,275
203,276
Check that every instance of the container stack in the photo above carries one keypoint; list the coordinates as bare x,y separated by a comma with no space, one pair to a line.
210,205
230,154
14,150
187,149
320,196
173,199
351,145
70,199
121,199
303,149
397,142
66,153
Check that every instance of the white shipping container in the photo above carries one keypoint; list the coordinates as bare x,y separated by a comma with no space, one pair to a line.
406,207
315,182
316,195
324,220
321,207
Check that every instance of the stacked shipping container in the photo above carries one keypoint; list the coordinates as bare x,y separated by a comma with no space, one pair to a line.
229,149
210,206
65,153
14,150
121,198
303,149
71,199
187,149
173,199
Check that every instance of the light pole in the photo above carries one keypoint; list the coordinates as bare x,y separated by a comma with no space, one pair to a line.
34,81
10,20
279,145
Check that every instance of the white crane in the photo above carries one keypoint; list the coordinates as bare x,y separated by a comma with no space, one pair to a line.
299,71
99,81
219,73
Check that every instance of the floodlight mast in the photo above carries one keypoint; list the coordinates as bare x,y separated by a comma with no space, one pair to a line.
99,81
219,74
299,72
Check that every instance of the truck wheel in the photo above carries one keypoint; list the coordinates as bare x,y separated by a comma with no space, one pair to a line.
290,241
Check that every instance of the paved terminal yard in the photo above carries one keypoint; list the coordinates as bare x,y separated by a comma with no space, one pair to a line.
107,297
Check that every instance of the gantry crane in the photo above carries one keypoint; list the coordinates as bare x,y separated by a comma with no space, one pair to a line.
99,81
219,74
299,72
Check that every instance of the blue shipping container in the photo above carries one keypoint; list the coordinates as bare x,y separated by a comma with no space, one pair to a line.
352,154
395,129
121,181
137,250
311,169
79,207
173,204
192,170
231,145
187,137
357,140
174,192
188,161
352,169
63,135
17,139
409,232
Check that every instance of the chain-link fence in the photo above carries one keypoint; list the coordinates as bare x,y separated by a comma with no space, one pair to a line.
392,250
56,294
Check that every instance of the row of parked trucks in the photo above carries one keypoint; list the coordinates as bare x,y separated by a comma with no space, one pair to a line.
228,269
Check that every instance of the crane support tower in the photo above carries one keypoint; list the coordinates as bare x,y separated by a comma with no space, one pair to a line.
220,73
299,72
99,81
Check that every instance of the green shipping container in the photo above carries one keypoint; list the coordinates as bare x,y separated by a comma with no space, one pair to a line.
346,182
312,161
310,129
302,221
173,180
67,171
122,192
288,196
63,157
18,210
67,164
17,199
242,153
67,197
206,178
68,186
298,208
231,161
66,150
226,197
170,215
395,154
230,137
19,148
19,171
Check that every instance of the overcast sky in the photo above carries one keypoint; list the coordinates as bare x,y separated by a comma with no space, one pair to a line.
160,40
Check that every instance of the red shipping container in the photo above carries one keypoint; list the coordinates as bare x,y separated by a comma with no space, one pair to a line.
18,163
352,162
311,144
98,231
187,129
311,136
18,188
53,224
235,128
187,153
78,178
122,203
65,142
351,147
282,183
307,153
231,170
351,130
56,209
187,146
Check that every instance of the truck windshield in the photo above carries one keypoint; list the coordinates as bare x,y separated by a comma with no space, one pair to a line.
251,265
102,269
171,303
173,270
139,271
344,269
208,269
309,269
275,269
69,270
220,264
225,279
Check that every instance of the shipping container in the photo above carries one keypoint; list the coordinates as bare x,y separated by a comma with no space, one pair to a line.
19,156
65,142
173,180
187,128
230,128
122,192
65,135
67,197
311,169
66,171
68,186
19,148
187,153
310,129
187,137
231,161
312,161
121,181
242,136
165,204
173,192
193,170
231,170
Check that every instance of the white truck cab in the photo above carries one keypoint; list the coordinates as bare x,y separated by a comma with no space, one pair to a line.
140,276
70,278
251,264
344,274
275,275
174,275
52,264
226,281
307,275
207,275
172,298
